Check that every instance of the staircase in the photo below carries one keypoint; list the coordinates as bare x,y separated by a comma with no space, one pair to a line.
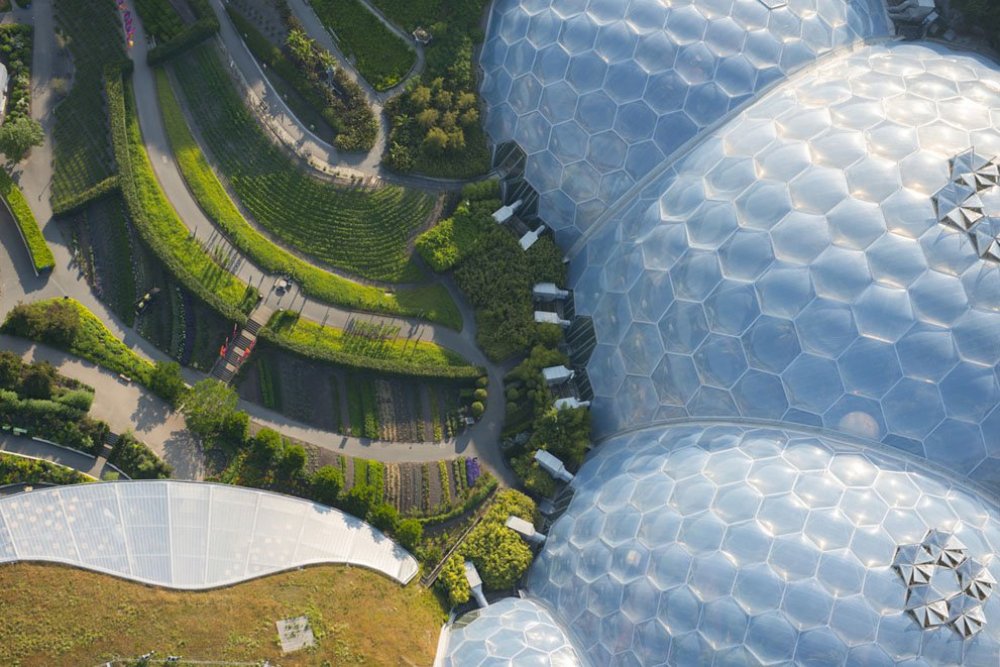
238,350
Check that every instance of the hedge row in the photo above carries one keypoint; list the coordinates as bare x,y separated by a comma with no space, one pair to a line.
157,222
41,256
191,35
80,200
313,341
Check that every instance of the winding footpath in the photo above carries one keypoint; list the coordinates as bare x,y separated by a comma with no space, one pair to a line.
125,406
289,131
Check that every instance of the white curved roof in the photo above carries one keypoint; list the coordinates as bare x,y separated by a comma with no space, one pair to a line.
188,535
792,266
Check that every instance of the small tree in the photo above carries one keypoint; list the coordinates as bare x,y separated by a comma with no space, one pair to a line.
10,369
428,118
436,140
207,406
384,517
266,448
167,382
409,532
293,462
19,135
39,381
359,500
326,484
477,409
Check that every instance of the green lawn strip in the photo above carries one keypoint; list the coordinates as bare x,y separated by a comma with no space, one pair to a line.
158,223
91,341
82,156
358,352
361,230
434,303
380,56
41,256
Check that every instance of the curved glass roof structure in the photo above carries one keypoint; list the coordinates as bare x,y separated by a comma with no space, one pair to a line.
792,266
599,92
511,632
722,544
188,535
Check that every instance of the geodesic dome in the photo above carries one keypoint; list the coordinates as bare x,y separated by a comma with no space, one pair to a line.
513,631
793,267
727,544
598,92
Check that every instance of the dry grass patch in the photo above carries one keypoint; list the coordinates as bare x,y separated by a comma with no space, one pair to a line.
54,615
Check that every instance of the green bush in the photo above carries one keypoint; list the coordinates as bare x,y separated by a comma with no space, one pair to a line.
157,222
51,421
78,399
477,409
327,483
452,580
208,407
137,460
167,382
380,56
453,239
41,255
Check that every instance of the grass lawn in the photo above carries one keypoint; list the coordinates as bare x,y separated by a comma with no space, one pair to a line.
360,230
55,615
381,57
319,284
82,154
368,347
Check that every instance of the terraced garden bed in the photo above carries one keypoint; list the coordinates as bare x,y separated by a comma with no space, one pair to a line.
380,56
433,303
379,407
103,249
82,155
364,231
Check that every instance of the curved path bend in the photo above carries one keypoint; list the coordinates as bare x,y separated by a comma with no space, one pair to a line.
18,283
288,130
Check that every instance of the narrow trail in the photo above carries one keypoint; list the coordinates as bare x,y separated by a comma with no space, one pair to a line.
156,425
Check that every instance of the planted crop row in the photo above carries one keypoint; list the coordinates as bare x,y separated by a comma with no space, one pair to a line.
41,256
156,220
82,157
380,56
399,357
322,285
363,231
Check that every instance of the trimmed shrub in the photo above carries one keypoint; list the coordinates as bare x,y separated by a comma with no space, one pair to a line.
41,255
